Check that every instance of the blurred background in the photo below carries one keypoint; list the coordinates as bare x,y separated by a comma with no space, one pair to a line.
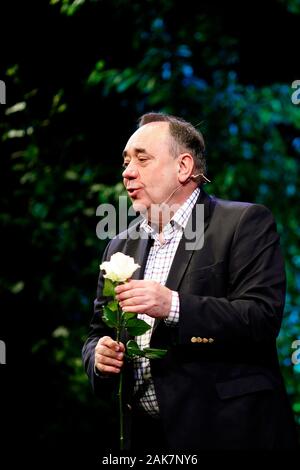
77,76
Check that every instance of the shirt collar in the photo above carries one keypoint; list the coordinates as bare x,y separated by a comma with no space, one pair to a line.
182,215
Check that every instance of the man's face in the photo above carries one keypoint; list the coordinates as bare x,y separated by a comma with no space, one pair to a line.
151,171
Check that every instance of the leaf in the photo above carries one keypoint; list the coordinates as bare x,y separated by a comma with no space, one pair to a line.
108,322
109,288
113,305
110,317
152,353
137,327
128,316
133,349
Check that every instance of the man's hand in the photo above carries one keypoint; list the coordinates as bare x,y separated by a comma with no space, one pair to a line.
109,355
142,296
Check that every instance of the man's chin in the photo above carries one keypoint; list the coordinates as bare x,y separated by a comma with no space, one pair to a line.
139,206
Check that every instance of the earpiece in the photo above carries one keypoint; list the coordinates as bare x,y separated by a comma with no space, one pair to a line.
205,180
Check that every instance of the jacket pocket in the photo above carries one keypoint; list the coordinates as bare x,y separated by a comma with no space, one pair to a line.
243,386
207,271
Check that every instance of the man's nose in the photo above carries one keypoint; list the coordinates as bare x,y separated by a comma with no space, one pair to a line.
130,171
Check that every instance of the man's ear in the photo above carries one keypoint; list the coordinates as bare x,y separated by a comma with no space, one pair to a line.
185,167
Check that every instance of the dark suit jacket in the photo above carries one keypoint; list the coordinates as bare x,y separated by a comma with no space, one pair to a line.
219,386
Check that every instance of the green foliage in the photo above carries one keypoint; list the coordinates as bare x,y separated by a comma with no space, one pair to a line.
133,350
69,113
110,317
109,290
127,316
136,327
292,5
68,7
152,353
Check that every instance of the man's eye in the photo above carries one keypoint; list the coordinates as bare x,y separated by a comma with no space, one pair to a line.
140,160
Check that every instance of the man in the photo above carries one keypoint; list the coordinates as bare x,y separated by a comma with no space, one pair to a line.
216,307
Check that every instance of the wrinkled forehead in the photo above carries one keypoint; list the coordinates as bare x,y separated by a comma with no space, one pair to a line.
152,137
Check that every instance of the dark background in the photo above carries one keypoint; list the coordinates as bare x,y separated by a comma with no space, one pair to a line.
80,76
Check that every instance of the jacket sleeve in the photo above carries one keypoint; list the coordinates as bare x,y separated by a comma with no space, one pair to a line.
102,385
253,306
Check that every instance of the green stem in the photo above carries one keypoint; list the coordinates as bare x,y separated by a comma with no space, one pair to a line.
119,327
121,411
119,324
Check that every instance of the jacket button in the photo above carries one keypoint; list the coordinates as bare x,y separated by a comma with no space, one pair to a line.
194,339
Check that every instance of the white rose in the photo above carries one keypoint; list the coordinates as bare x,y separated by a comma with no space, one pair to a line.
119,268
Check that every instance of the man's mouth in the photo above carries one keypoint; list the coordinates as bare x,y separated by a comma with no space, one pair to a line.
133,191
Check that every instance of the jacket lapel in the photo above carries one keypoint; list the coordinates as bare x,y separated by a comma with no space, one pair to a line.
184,252
139,250
183,255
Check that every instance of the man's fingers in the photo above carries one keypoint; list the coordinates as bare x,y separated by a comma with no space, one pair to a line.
108,361
136,309
127,304
134,301
111,344
108,369
137,292
134,283
109,355
105,351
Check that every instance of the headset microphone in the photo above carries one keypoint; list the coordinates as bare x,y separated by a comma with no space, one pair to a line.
205,180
